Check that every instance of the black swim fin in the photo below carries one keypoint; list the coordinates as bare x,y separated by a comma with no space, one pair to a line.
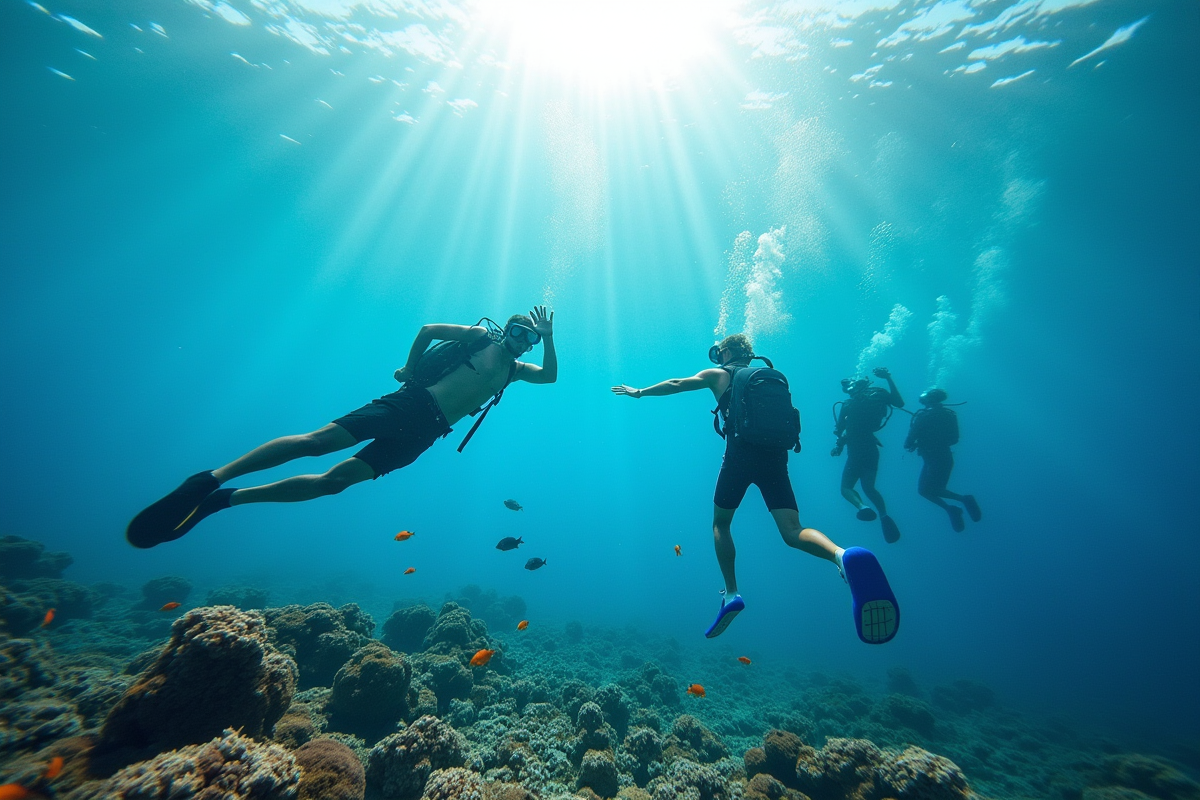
157,522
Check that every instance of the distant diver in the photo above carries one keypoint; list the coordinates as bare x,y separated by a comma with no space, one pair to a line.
760,427
932,432
865,411
441,385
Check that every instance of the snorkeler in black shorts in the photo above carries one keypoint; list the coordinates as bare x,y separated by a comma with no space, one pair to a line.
441,386
766,467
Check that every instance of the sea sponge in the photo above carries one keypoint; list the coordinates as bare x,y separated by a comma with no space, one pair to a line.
399,766
230,767
598,772
370,692
323,638
160,591
405,630
780,751
330,771
217,671
455,783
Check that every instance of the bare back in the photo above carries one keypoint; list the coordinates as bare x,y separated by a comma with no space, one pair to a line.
470,386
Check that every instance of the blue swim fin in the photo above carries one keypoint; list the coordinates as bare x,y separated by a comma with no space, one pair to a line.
876,612
729,610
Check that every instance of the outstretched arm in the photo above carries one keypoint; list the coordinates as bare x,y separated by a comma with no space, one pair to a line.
427,334
543,323
706,379
893,393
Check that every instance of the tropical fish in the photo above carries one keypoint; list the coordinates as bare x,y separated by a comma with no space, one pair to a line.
743,659
46,620
678,551
513,504
14,791
523,624
482,657
54,768
509,543
696,690
410,570
403,535
535,563
171,606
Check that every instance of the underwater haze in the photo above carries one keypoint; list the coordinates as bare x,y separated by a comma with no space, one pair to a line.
226,221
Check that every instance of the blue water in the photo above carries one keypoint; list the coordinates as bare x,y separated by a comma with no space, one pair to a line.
203,251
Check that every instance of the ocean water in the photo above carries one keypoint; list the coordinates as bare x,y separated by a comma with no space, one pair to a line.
225,222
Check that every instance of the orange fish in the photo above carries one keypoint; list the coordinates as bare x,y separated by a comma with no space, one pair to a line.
55,767
523,624
13,791
171,606
402,535
743,659
696,690
410,570
48,618
482,657
678,551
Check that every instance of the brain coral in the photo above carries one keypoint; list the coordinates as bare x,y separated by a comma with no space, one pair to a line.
330,771
455,783
217,671
370,692
598,772
230,767
855,769
399,766
322,637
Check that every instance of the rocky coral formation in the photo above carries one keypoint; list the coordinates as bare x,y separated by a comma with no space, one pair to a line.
455,783
24,559
230,767
691,740
454,632
502,613
330,771
160,591
320,637
217,671
399,766
1148,774
855,769
31,713
405,630
24,603
598,772
687,780
370,692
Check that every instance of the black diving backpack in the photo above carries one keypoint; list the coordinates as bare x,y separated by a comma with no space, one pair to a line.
757,409
448,355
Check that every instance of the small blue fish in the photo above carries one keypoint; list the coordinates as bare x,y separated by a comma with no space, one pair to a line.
509,543
513,504
535,563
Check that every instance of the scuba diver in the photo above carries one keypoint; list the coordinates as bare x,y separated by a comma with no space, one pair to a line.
866,410
933,430
441,385
760,427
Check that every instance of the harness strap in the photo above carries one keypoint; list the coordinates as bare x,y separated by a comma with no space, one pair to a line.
482,411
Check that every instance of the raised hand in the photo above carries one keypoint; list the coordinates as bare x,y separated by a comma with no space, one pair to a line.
543,321
882,372
627,391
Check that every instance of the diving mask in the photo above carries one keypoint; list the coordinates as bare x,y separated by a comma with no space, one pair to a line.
714,354
522,334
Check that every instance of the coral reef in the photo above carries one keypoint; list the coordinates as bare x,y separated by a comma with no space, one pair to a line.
160,591
217,671
329,771
320,637
399,766
230,767
598,772
405,630
499,612
25,559
246,598
455,783
370,692
858,770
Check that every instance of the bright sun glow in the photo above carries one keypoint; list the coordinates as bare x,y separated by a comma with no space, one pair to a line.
604,41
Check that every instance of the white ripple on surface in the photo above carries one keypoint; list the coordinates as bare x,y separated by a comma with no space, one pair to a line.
1012,79
1120,37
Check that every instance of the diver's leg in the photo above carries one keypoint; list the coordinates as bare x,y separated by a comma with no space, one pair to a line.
927,484
867,479
328,439
810,540
306,487
849,478
723,543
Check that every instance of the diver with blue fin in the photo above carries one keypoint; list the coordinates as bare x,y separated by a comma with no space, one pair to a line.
465,373
932,432
755,416
864,412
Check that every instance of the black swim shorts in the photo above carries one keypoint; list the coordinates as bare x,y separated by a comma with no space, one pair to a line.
403,424
766,469
862,456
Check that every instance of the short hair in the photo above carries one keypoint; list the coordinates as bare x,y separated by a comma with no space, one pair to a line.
521,318
739,345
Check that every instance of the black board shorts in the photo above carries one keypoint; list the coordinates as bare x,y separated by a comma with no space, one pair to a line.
403,424
766,469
